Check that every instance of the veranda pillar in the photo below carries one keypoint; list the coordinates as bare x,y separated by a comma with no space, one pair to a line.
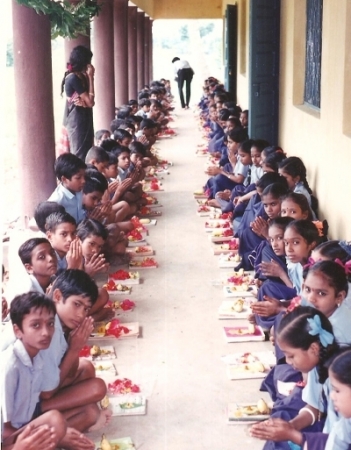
104,109
34,104
151,60
146,50
140,48
132,52
120,26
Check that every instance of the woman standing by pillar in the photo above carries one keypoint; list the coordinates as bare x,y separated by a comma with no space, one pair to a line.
78,84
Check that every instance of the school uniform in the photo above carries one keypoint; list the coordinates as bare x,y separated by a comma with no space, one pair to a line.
61,262
141,113
340,436
72,202
122,174
22,381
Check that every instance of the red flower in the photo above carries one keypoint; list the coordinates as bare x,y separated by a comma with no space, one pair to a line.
127,304
85,351
120,275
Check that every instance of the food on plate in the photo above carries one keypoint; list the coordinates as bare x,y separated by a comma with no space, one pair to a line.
145,221
104,402
238,305
262,407
95,350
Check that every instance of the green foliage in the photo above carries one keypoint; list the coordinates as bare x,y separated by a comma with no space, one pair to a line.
184,33
67,20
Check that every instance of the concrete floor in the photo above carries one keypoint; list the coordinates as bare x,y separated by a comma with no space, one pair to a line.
176,360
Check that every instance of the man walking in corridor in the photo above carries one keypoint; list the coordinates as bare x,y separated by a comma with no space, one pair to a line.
183,73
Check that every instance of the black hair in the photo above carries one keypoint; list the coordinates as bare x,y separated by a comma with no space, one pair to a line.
260,144
137,147
333,272
144,102
124,112
112,159
43,210
276,190
94,181
67,165
245,146
223,114
22,305
115,124
341,367
335,250
235,121
109,145
175,59
55,219
75,282
98,134
93,227
148,124
294,167
156,103
300,200
127,124
237,134
25,250
280,222
120,150
136,119
98,153
269,178
294,330
272,149
274,159
143,94
120,134
79,58
132,102
306,229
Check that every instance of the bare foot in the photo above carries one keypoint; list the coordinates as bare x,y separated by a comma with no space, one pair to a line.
103,314
103,420
213,203
74,440
252,319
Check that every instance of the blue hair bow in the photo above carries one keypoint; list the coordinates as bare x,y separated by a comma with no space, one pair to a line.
325,337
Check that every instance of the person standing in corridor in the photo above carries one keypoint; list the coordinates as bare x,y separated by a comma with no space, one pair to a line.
183,73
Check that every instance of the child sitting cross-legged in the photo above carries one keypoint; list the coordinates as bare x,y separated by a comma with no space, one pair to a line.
25,375
70,171
61,232
74,293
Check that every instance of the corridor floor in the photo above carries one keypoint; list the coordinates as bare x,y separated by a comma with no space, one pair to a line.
177,358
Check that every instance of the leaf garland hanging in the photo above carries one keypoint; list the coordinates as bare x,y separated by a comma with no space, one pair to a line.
67,20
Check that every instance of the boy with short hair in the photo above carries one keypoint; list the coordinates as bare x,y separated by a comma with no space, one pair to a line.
25,375
61,232
100,136
144,105
97,157
70,171
40,261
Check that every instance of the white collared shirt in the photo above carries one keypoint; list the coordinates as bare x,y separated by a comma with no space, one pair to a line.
73,203
22,381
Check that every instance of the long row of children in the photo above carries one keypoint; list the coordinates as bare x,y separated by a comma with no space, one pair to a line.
49,394
302,278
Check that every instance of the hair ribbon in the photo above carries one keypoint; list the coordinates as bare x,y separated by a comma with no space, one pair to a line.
346,266
310,263
325,337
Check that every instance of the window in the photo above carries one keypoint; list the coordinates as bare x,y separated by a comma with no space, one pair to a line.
314,13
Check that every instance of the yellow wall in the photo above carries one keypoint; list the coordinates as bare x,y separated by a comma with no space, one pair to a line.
318,137
181,9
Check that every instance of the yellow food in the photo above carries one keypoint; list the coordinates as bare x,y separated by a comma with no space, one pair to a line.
251,328
104,402
262,407
238,305
95,350
104,444
144,221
